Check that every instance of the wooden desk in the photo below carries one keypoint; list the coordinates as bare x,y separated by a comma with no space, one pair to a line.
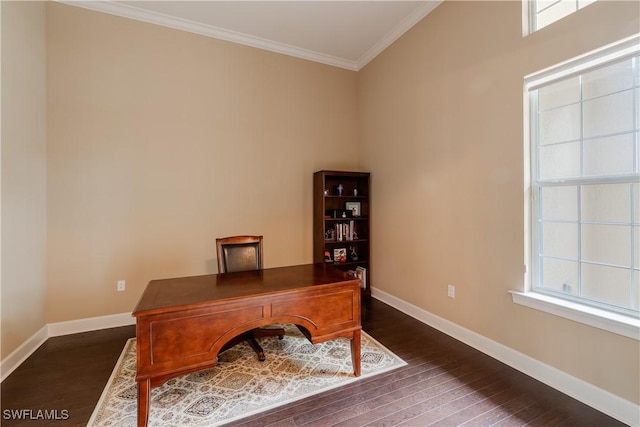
181,324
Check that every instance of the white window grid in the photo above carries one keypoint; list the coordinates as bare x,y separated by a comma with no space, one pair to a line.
545,12
624,50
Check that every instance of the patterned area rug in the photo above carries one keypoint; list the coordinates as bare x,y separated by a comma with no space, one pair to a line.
240,385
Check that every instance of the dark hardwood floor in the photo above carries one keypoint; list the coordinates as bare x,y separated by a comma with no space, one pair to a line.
446,383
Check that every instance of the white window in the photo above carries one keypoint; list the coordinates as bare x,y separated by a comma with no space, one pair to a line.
545,12
584,126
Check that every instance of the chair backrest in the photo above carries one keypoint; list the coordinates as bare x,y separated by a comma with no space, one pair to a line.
239,253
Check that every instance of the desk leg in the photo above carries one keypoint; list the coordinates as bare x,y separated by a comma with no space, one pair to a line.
355,352
144,397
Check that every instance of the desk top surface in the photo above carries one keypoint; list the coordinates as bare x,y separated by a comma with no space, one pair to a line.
184,292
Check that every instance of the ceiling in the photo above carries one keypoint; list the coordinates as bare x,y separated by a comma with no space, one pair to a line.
346,34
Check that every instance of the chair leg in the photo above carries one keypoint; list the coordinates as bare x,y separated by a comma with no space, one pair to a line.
233,342
256,347
250,338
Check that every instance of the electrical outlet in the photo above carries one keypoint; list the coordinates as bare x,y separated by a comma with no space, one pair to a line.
121,285
451,291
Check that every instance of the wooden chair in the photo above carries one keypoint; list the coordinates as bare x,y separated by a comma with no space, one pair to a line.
243,253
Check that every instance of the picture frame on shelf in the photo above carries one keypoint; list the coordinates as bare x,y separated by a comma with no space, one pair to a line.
340,255
354,207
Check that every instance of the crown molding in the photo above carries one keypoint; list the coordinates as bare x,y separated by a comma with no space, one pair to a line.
138,14
397,32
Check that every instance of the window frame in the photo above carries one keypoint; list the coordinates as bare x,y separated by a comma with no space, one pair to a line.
531,12
627,324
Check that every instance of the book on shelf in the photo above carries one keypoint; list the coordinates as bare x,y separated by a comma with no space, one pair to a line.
345,231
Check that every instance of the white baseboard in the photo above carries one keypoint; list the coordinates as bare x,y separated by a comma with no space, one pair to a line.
90,324
19,355
600,399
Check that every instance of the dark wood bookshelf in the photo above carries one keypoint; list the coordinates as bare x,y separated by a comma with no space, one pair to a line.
334,194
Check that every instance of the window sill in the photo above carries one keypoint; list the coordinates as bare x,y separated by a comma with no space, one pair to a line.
612,322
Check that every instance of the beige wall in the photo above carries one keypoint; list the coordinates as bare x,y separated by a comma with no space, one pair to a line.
441,115
161,140
23,169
